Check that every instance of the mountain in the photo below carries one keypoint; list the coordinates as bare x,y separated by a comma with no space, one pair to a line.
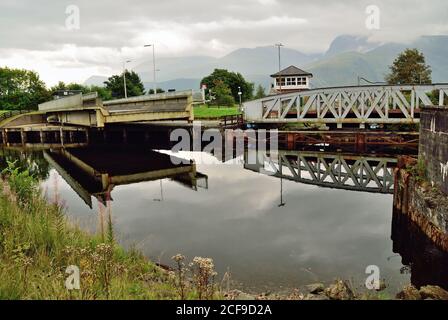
350,43
344,68
177,84
95,81
346,58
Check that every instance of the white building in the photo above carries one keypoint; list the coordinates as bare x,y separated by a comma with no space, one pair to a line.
291,79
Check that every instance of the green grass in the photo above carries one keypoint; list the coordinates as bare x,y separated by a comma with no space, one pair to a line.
38,243
204,112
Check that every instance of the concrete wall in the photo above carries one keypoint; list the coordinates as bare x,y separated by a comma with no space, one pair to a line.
424,206
434,145
64,103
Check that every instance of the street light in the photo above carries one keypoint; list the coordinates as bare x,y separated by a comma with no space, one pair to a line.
240,94
124,78
279,45
154,66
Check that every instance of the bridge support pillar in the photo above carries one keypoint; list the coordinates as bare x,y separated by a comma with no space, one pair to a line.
5,136
42,136
290,141
339,126
362,125
360,142
125,136
23,136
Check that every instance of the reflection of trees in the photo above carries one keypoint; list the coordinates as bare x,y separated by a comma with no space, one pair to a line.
34,162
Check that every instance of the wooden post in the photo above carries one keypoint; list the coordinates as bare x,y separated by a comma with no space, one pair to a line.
23,136
5,136
360,142
125,136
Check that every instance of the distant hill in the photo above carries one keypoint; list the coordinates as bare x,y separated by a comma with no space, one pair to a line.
344,68
350,43
95,81
346,58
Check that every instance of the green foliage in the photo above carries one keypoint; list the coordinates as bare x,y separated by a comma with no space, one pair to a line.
232,80
409,68
21,182
158,90
260,93
21,89
103,92
37,243
134,85
205,112
222,95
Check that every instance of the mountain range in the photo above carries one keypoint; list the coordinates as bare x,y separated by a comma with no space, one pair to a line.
347,57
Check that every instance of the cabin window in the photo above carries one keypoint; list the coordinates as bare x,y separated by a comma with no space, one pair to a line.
301,81
280,81
291,81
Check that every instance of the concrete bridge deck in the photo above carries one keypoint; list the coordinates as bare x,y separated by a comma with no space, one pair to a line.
90,111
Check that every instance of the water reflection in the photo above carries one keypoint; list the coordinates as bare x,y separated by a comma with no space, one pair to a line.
317,230
97,171
426,263
332,170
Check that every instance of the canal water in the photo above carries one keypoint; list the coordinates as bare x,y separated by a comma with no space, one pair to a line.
270,230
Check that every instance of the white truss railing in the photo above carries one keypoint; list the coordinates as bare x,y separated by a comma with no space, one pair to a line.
349,172
362,104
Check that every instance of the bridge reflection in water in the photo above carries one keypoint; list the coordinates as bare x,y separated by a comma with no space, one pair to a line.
97,171
332,170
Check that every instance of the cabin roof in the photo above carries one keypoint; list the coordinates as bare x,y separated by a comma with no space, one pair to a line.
291,71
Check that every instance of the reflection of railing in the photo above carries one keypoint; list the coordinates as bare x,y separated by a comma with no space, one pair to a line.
340,171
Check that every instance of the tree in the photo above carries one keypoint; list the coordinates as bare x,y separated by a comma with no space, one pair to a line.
234,81
158,90
21,89
103,92
260,93
222,94
408,68
134,85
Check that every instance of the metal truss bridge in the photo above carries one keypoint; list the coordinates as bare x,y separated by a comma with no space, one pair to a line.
330,170
373,104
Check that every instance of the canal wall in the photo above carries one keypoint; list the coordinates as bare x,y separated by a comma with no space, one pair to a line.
424,205
421,185
433,146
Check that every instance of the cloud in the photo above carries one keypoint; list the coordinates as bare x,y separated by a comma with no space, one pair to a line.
34,32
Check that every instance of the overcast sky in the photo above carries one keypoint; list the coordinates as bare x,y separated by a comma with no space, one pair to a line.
34,33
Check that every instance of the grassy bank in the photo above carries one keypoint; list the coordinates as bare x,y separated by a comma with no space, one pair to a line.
205,112
38,243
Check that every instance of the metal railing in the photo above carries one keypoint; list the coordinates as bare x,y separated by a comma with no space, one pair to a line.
355,104
232,121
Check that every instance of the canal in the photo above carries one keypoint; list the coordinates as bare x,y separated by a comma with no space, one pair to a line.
306,217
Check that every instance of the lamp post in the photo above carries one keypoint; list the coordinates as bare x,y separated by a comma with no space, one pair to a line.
154,66
279,45
124,78
240,95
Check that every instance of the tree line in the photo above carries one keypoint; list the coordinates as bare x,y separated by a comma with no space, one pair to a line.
24,90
